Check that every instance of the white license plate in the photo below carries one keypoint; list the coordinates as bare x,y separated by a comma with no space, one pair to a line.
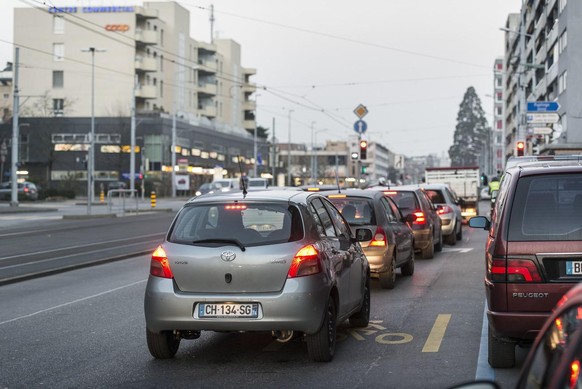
574,268
228,310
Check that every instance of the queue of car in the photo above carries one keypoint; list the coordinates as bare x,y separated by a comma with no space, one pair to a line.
253,260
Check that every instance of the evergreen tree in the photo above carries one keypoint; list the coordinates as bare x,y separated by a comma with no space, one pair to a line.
470,132
262,132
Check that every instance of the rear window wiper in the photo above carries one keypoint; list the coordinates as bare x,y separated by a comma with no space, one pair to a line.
218,240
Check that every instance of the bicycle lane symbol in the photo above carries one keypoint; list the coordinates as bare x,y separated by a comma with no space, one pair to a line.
373,328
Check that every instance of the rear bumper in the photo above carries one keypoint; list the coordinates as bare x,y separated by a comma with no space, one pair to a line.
517,326
422,239
298,307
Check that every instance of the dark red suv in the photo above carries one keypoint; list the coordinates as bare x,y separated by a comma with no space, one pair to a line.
533,253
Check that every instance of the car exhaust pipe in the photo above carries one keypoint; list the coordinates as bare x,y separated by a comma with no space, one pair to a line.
283,336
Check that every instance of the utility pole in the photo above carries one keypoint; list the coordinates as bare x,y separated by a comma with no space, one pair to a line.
274,160
212,23
132,152
289,151
521,131
15,134
174,155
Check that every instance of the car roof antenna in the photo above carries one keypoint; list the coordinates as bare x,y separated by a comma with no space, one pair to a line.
243,183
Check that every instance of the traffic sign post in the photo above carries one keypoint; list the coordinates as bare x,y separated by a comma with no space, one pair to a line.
361,111
542,118
360,126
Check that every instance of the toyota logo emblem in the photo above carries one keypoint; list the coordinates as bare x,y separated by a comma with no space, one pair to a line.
227,256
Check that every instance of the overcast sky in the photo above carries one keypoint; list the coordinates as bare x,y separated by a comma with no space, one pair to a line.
408,61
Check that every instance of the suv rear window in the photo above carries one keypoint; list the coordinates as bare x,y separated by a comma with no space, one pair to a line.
357,211
405,200
547,208
436,196
251,224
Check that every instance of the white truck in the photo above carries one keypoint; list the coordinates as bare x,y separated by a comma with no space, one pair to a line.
464,181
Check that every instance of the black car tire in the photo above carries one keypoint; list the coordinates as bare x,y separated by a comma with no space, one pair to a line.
408,268
362,317
428,252
452,239
321,345
388,278
439,246
501,352
163,345
460,233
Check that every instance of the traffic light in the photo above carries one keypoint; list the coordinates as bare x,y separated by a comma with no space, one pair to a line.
520,148
364,169
363,149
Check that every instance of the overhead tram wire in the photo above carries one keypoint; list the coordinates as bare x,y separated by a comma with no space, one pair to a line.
327,35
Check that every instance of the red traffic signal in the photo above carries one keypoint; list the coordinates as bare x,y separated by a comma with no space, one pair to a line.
520,148
363,149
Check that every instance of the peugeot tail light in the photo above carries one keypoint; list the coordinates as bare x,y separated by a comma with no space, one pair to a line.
444,209
419,218
379,239
514,270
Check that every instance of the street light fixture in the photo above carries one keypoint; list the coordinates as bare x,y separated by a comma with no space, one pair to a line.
91,161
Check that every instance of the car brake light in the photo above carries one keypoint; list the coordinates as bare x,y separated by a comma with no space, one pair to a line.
25,190
160,266
419,217
389,192
379,239
444,209
514,270
574,373
305,262
235,207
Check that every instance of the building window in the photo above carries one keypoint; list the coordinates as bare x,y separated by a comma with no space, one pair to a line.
58,51
498,96
499,111
58,79
161,63
562,82
58,107
563,41
58,24
500,124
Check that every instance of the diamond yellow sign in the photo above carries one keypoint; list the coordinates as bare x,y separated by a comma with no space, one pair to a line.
361,111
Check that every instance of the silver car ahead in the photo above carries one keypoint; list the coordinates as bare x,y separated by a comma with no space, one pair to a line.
277,261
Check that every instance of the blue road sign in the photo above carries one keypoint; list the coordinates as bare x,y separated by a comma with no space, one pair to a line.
360,126
543,106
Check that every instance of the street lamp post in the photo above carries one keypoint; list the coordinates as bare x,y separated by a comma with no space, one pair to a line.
289,151
91,161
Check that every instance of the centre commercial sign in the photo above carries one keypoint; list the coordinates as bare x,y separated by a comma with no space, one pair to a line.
72,10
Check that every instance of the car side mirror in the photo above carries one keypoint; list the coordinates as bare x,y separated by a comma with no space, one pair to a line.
363,234
410,218
480,222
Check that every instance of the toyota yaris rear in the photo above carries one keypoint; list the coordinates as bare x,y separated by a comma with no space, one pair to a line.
269,261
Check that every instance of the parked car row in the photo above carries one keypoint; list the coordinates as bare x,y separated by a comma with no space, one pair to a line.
253,260
25,191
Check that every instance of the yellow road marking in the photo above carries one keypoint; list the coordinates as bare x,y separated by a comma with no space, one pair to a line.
433,342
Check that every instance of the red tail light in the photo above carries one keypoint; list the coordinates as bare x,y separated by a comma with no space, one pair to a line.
574,373
160,266
379,239
514,270
444,209
305,263
419,218
25,189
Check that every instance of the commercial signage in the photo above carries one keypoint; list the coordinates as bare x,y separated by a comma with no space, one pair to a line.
73,10
117,27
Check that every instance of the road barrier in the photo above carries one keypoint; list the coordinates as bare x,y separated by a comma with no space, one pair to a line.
153,199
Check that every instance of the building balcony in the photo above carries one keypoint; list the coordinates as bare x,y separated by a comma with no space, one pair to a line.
207,66
148,37
552,73
208,47
249,105
146,92
146,64
249,87
541,88
207,110
146,13
207,89
249,124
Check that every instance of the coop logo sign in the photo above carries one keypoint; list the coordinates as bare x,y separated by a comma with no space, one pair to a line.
72,10
117,27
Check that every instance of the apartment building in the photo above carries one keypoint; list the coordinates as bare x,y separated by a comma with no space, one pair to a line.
542,65
496,160
81,62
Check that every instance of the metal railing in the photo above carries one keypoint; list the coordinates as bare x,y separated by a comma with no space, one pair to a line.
122,194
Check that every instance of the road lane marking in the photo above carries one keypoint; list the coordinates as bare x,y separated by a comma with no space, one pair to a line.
457,250
433,342
401,338
73,302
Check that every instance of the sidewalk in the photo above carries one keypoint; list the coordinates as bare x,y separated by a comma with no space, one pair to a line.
78,208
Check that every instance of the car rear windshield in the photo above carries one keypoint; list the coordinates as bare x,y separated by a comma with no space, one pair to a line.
436,196
357,211
406,200
252,224
547,208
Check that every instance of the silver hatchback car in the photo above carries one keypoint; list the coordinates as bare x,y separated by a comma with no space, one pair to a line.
277,261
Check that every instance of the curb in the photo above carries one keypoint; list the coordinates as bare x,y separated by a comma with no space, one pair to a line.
81,217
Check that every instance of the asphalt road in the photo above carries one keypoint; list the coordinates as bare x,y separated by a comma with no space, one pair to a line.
86,328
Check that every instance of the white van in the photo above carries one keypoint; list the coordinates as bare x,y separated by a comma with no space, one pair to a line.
258,183
228,184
